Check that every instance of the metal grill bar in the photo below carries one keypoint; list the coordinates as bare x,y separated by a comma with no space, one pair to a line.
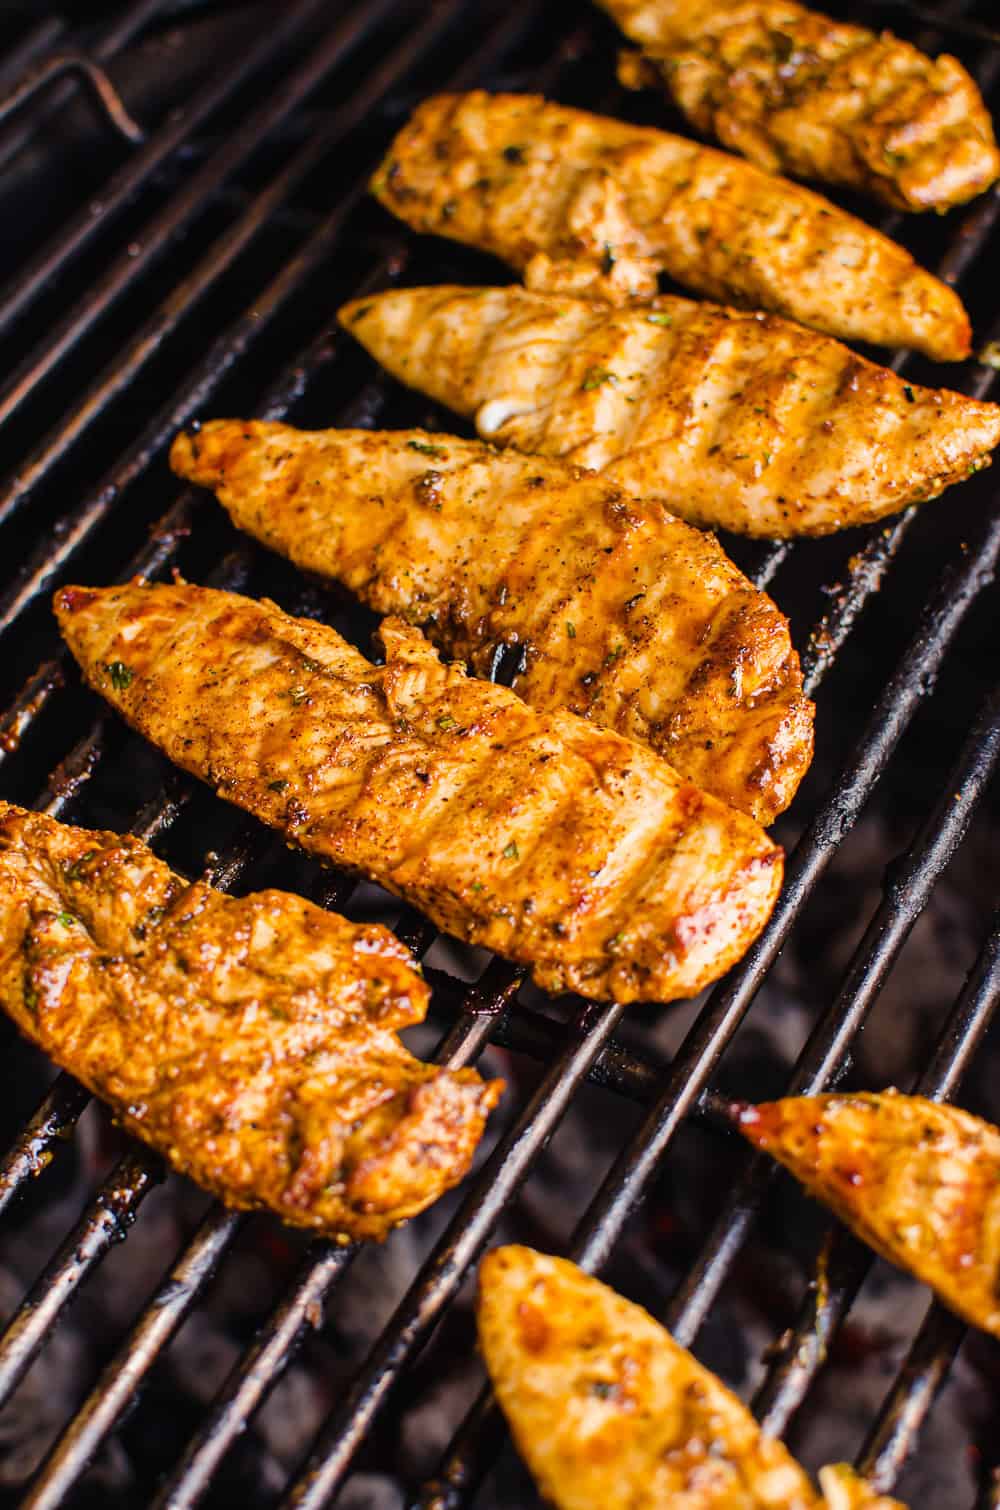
431,1292
118,1383
112,40
784,1389
94,1235
156,240
907,888
82,228
64,65
67,1458
623,1186
52,1123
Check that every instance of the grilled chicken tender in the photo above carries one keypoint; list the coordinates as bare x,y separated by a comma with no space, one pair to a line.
610,1413
798,92
916,1181
622,613
580,203
252,1042
558,844
736,420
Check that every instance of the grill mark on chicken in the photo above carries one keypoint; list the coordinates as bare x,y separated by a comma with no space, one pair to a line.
917,1181
795,91
732,420
251,1041
583,204
622,613
551,821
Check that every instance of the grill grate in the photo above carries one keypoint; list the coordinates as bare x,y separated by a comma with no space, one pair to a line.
232,195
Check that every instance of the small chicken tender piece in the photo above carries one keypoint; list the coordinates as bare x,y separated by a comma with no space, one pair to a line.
622,613
732,420
251,1041
798,92
610,1413
558,844
581,203
917,1181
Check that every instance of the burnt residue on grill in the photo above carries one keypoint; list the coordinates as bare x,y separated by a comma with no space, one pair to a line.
161,1351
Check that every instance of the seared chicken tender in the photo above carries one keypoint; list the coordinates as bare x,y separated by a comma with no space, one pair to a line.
251,1041
610,1413
622,613
917,1181
798,92
558,844
583,204
739,421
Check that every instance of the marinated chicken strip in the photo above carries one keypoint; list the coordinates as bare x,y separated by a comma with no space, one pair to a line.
610,1413
623,614
916,1181
580,203
798,92
732,420
560,845
252,1041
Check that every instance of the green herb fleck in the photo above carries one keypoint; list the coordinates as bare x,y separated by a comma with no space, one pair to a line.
74,871
908,394
477,886
602,1389
511,852
571,629
67,919
596,377
425,449
767,458
613,655
298,695
30,995
658,318
277,786
447,722
120,674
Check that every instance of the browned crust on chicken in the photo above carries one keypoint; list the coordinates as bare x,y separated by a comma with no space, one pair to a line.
621,613
610,1413
730,419
917,1181
584,204
796,91
252,1041
556,843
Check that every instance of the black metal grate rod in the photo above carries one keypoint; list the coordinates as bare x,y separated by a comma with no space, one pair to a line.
694,1062
155,241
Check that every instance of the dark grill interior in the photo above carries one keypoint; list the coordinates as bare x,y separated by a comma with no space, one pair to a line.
198,273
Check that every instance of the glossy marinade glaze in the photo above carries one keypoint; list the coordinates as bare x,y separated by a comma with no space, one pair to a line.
918,1181
561,845
581,203
252,1041
733,420
796,91
620,612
